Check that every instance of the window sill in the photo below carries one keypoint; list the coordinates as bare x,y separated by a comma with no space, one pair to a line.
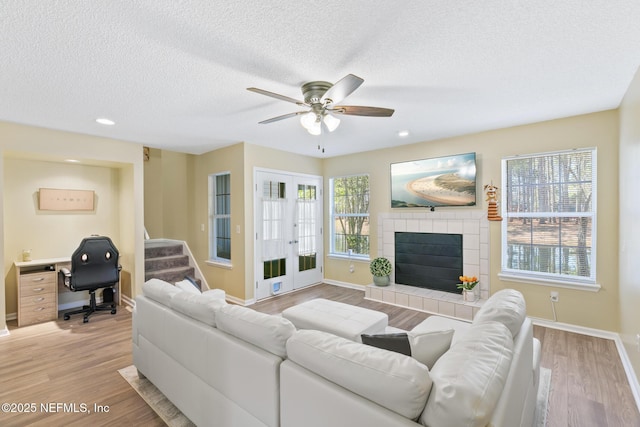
351,258
590,287
220,264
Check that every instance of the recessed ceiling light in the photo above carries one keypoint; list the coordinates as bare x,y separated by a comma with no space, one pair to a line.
105,121
403,133
72,161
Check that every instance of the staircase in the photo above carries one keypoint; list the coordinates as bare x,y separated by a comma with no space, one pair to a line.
166,260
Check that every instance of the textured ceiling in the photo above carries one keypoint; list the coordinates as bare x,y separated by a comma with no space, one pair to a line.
173,74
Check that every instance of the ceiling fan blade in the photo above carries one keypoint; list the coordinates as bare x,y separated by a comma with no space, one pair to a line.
343,88
355,110
275,95
285,116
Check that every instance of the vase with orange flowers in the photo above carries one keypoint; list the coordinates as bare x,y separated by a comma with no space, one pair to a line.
468,287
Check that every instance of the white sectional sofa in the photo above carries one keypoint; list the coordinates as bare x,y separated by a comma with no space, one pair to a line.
226,365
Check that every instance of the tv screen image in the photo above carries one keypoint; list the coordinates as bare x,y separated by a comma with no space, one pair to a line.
440,181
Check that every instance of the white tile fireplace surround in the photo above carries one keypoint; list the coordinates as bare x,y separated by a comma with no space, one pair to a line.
474,227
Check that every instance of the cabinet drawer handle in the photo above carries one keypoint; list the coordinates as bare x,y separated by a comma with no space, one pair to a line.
39,299
38,289
39,309
37,279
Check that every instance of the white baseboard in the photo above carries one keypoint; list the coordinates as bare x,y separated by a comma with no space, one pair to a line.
128,301
4,332
345,285
632,378
240,301
11,316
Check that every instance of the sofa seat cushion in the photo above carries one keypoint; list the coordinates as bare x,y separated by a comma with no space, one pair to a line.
392,380
160,291
202,307
507,307
469,378
266,331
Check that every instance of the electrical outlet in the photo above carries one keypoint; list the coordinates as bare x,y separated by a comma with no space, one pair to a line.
555,296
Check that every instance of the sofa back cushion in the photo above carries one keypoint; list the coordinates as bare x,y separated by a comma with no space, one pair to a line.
202,307
392,380
469,378
266,331
507,307
160,291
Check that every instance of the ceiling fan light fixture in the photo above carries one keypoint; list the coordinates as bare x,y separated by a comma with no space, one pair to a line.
331,122
308,120
316,129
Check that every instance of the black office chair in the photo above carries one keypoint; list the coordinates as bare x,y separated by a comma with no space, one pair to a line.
94,265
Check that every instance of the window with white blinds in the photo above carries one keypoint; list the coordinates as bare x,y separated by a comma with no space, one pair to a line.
549,216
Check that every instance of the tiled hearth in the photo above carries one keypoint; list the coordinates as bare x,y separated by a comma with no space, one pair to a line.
474,227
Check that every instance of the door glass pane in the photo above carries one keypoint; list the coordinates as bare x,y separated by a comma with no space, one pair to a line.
306,222
275,268
273,217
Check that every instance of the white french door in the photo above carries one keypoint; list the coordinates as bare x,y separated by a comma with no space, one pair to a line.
288,225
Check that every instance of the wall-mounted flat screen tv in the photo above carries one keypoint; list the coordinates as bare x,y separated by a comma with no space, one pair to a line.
440,181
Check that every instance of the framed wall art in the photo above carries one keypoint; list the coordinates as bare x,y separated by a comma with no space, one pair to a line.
54,199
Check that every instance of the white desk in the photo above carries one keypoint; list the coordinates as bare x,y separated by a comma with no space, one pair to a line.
38,288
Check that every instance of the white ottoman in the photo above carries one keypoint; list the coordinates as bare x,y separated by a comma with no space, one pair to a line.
344,320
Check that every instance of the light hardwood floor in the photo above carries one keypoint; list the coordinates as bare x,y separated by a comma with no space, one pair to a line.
70,363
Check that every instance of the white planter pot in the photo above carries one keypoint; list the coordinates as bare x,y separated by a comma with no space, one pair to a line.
469,295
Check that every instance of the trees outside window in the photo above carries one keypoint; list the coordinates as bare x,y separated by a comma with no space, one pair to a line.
548,206
350,216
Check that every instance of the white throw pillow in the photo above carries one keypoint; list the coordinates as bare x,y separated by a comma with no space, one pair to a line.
186,285
427,347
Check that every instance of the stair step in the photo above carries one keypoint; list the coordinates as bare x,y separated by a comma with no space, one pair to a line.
166,262
161,249
170,275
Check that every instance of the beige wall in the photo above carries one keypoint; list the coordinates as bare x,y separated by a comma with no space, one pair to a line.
596,310
166,195
630,221
228,159
121,165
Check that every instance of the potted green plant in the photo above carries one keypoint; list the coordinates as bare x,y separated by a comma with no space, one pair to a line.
380,269
468,285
